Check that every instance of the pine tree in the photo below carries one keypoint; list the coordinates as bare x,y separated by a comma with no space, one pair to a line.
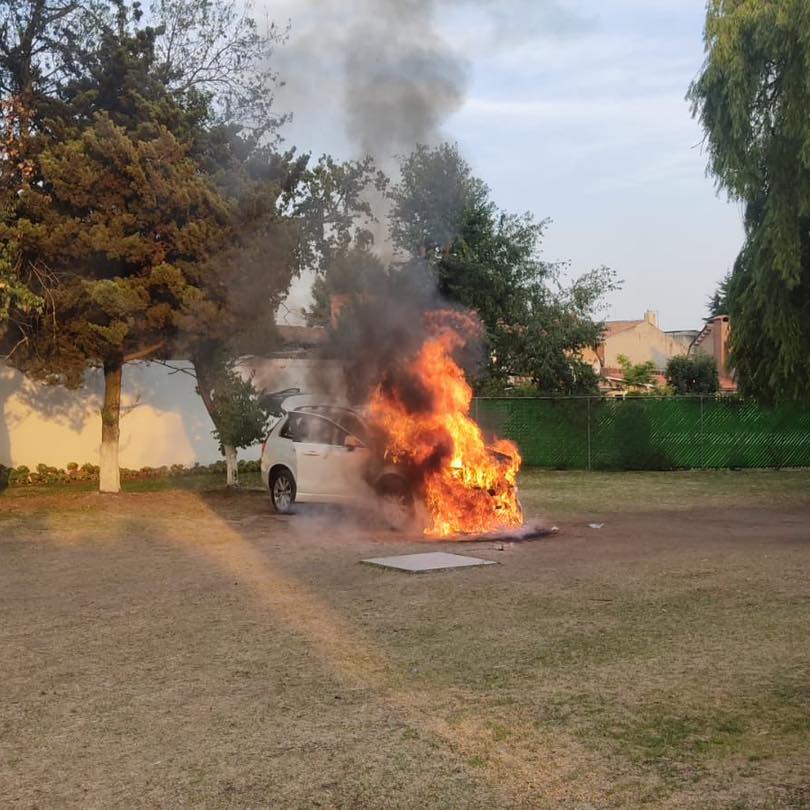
142,207
107,224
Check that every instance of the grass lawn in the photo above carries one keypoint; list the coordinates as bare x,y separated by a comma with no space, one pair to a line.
188,648
563,493
570,493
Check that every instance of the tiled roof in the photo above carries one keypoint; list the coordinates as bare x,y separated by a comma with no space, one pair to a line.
614,327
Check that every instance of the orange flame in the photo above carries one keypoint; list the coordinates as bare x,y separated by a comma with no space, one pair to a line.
467,485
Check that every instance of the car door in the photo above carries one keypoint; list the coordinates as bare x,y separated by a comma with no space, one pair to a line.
313,438
350,462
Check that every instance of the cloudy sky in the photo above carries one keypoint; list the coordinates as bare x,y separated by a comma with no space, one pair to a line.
572,109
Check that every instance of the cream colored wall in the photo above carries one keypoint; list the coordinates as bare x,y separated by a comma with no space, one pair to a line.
163,420
640,344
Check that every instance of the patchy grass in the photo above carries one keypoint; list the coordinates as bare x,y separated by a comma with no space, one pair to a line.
615,492
189,648
560,493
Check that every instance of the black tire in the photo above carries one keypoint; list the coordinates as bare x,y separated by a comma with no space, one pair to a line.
396,502
282,491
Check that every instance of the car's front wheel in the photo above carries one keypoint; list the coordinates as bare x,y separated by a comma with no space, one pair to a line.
282,491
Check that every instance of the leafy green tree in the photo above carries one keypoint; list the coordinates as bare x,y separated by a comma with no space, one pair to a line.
436,196
245,281
488,260
39,43
216,51
333,208
355,271
752,97
692,374
637,375
234,407
214,57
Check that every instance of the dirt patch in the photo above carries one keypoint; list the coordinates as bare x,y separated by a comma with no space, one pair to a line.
194,649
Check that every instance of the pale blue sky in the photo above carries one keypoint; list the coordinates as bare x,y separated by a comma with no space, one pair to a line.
572,109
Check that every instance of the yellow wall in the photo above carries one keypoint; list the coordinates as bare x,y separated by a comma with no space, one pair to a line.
640,344
163,420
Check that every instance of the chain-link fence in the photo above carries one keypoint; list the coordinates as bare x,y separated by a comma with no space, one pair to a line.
649,433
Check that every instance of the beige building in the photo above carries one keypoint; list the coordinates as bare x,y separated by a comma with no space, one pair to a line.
641,341
713,341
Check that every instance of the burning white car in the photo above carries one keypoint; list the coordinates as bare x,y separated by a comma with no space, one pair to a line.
319,451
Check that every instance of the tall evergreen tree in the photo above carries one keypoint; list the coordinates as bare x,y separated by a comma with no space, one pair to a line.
752,97
718,301
109,217
141,212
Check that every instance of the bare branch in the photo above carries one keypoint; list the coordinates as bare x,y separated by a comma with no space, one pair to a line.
142,354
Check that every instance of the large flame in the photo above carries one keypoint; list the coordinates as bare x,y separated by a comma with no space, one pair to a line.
467,485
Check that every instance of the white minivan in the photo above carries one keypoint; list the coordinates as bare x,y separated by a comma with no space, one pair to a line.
319,451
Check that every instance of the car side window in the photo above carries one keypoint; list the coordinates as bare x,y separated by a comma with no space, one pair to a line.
343,418
355,426
289,431
304,427
320,431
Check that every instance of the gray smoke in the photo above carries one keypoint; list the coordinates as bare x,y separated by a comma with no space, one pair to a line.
379,76
381,68
402,78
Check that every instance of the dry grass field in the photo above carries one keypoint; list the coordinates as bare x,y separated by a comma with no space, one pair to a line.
191,649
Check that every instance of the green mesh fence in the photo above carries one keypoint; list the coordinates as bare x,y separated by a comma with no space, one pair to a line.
649,433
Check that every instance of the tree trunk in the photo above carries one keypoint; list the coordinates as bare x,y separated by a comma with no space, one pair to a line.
204,390
109,474
231,467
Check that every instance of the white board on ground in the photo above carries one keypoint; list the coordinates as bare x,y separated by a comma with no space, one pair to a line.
428,561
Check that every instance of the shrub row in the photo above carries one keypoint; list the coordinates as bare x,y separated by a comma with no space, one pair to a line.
22,476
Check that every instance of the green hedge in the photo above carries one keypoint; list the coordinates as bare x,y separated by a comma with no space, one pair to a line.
43,475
